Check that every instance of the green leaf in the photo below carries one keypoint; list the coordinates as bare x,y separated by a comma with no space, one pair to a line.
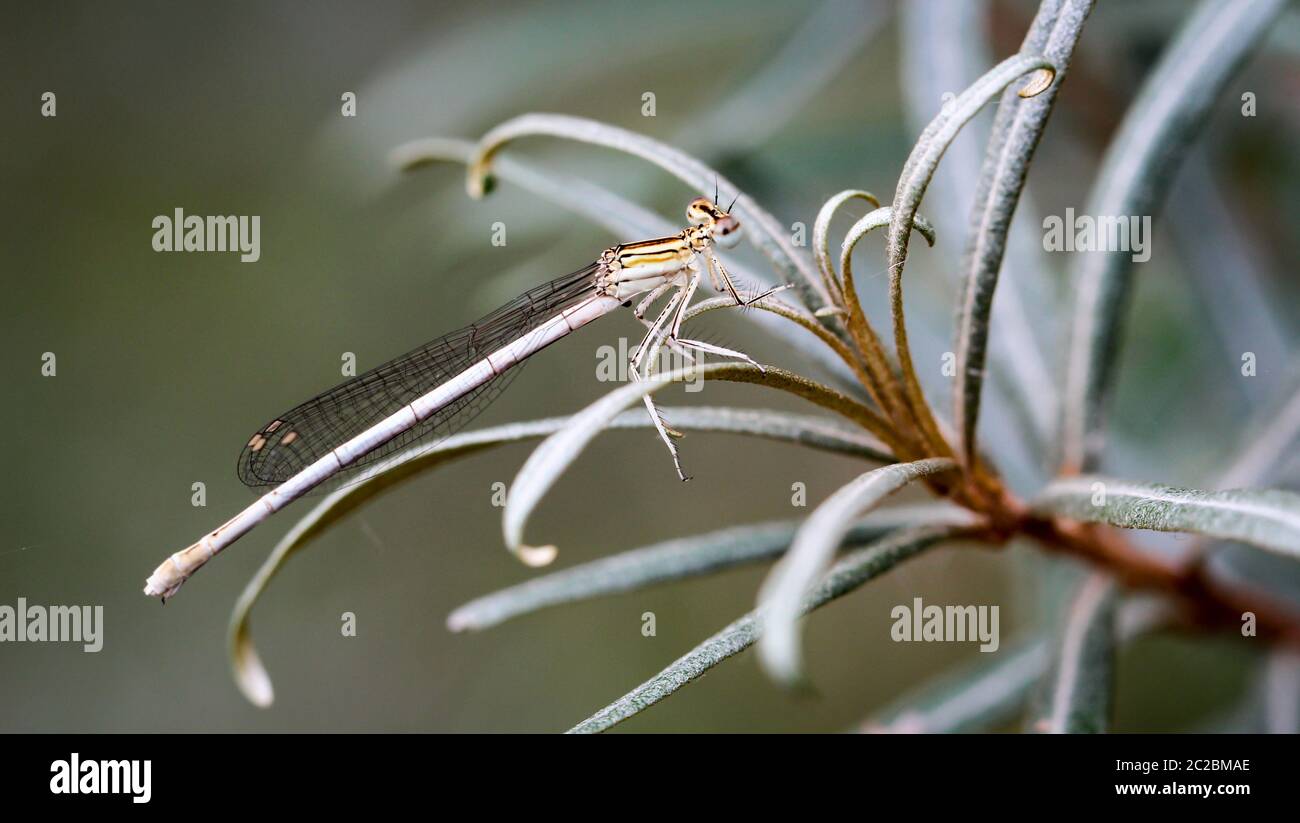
676,559
1077,695
249,672
1267,518
851,572
783,592
1171,109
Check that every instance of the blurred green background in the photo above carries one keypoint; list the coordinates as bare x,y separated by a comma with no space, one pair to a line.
166,362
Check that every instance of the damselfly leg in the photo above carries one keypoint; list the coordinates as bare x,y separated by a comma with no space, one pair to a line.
666,331
719,272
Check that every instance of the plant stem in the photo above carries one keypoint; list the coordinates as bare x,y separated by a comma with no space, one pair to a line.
1212,603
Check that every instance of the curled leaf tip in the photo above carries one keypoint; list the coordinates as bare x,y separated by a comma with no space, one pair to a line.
250,675
1040,82
405,163
795,682
460,621
479,181
409,156
537,556
780,656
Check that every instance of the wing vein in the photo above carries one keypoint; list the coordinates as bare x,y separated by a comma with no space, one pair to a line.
293,440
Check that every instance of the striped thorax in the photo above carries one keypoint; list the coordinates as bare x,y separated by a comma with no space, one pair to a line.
633,268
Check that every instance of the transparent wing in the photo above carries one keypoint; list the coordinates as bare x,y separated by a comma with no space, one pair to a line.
308,431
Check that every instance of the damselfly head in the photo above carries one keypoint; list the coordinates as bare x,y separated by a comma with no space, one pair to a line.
722,225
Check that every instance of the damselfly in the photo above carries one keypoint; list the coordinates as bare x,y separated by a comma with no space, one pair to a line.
432,390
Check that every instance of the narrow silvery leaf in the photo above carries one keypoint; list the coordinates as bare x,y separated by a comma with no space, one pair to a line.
1269,438
935,140
986,694
1170,109
814,546
249,672
876,219
912,185
848,574
676,559
945,48
992,692
1281,687
1251,315
623,218
765,231
554,456
1267,518
821,235
1020,125
1077,695
745,118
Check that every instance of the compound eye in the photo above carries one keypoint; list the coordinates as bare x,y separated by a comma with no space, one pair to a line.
727,231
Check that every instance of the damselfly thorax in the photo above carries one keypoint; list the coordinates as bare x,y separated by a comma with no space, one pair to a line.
431,391
635,268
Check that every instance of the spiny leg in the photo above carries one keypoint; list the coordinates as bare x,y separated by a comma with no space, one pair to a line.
654,295
717,270
639,313
654,328
680,302
682,299
687,292
666,434
709,348
674,336
657,337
